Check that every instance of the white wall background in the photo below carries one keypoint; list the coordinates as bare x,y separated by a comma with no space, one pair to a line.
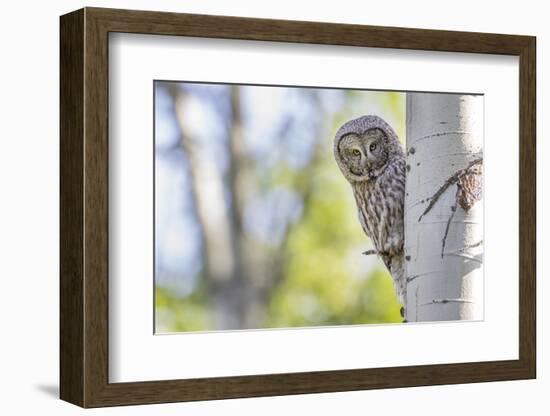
29,158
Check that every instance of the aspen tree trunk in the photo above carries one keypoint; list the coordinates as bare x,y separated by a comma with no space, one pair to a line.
444,207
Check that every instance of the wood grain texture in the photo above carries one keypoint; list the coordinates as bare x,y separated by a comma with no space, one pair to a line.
71,213
84,207
527,208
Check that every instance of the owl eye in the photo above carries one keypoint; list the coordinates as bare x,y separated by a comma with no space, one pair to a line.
372,147
356,152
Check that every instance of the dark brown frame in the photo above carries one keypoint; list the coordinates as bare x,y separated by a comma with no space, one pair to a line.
84,209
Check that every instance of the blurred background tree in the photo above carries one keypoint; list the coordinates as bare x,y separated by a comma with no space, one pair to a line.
254,225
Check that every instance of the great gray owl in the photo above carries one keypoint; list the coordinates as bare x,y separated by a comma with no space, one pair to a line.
371,158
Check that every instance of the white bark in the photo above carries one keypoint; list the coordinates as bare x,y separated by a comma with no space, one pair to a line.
443,248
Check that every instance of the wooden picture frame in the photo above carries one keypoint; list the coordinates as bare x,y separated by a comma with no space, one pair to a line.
84,207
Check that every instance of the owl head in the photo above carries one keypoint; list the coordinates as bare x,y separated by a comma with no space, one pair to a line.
363,148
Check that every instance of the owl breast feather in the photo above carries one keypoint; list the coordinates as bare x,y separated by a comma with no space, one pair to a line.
380,209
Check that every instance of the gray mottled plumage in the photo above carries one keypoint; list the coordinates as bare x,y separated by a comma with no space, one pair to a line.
370,156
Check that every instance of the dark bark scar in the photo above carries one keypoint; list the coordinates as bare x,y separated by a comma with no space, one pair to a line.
469,189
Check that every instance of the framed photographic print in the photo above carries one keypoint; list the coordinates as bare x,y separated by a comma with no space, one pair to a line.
255,207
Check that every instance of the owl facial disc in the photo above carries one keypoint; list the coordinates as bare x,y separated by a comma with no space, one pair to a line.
364,146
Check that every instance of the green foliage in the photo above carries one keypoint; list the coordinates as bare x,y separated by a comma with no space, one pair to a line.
180,313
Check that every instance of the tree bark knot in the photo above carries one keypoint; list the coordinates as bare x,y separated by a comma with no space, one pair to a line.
469,184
